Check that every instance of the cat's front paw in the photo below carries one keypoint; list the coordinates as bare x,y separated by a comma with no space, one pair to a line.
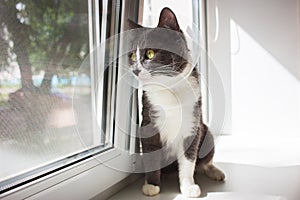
191,190
150,190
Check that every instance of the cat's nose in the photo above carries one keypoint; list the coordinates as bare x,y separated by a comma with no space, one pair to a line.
136,72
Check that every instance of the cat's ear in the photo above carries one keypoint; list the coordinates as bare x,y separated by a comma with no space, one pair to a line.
132,25
168,19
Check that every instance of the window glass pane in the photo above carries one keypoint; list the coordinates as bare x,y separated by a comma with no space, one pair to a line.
46,104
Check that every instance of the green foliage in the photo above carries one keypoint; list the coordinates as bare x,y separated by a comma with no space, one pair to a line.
57,31
56,35
3,100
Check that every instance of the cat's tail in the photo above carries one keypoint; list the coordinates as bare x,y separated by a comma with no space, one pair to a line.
205,156
206,146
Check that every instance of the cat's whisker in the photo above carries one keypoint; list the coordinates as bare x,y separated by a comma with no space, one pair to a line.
168,73
169,69
163,67
170,65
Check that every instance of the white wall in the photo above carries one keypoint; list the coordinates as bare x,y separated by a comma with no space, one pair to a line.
255,46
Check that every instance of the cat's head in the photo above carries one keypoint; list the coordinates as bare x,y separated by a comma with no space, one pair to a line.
160,54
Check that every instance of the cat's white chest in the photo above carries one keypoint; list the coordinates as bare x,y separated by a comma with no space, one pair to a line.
174,112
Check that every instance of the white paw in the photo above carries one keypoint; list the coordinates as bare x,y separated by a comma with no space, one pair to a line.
150,190
214,173
191,190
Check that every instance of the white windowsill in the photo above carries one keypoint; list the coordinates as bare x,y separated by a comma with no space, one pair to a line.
254,171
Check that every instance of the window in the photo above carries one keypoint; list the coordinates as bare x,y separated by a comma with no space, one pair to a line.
67,118
40,75
58,95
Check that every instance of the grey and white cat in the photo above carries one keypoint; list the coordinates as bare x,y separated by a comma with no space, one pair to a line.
172,123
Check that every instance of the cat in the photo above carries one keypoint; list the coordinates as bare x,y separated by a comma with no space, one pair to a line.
172,124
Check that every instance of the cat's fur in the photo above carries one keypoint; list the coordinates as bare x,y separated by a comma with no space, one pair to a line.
172,123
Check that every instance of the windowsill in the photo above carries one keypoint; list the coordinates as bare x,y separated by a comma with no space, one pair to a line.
248,178
263,150
243,182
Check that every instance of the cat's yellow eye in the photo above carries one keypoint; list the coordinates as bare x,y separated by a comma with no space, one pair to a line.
150,54
133,57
